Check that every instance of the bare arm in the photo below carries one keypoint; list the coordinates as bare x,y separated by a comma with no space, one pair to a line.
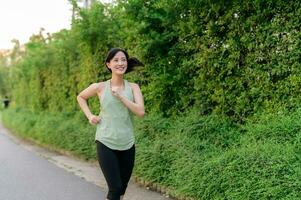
82,97
137,107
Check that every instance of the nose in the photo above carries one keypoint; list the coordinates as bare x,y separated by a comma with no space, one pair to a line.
120,62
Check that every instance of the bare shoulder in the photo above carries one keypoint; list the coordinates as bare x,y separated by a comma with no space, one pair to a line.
101,86
134,86
97,87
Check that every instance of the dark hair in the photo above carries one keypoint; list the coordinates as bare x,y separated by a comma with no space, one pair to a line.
132,61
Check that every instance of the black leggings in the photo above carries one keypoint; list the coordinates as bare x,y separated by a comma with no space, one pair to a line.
117,167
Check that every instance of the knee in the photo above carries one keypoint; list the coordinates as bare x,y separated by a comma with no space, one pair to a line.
115,192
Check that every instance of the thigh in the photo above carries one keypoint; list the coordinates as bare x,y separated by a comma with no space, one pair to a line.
109,164
126,163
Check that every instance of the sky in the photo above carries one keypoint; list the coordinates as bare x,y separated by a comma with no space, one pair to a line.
19,19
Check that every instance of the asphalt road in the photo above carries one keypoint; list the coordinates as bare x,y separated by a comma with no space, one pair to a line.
27,176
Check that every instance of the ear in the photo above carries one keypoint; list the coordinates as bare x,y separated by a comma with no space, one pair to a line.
108,65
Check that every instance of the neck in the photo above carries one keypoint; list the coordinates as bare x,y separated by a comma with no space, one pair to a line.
117,80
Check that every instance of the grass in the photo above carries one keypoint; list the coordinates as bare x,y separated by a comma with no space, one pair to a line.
192,156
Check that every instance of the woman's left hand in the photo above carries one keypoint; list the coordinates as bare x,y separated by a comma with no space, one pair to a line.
117,93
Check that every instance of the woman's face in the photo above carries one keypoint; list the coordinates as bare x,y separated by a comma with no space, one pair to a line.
118,64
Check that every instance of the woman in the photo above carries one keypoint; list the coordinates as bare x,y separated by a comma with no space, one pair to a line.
114,138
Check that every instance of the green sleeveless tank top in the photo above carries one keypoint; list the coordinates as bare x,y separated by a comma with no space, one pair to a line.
115,129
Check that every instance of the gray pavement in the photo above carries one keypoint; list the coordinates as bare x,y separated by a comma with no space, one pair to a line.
27,176
29,172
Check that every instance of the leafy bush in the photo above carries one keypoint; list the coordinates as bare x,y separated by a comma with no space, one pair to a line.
256,171
221,84
223,57
214,158
56,131
281,127
200,157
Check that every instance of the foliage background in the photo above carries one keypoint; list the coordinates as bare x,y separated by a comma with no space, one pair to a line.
221,84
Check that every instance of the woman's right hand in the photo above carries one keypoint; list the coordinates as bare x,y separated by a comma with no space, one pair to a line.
93,119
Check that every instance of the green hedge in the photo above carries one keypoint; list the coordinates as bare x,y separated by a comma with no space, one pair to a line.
214,158
61,132
221,84
231,58
208,157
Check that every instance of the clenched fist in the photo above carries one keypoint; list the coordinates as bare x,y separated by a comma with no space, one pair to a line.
94,119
